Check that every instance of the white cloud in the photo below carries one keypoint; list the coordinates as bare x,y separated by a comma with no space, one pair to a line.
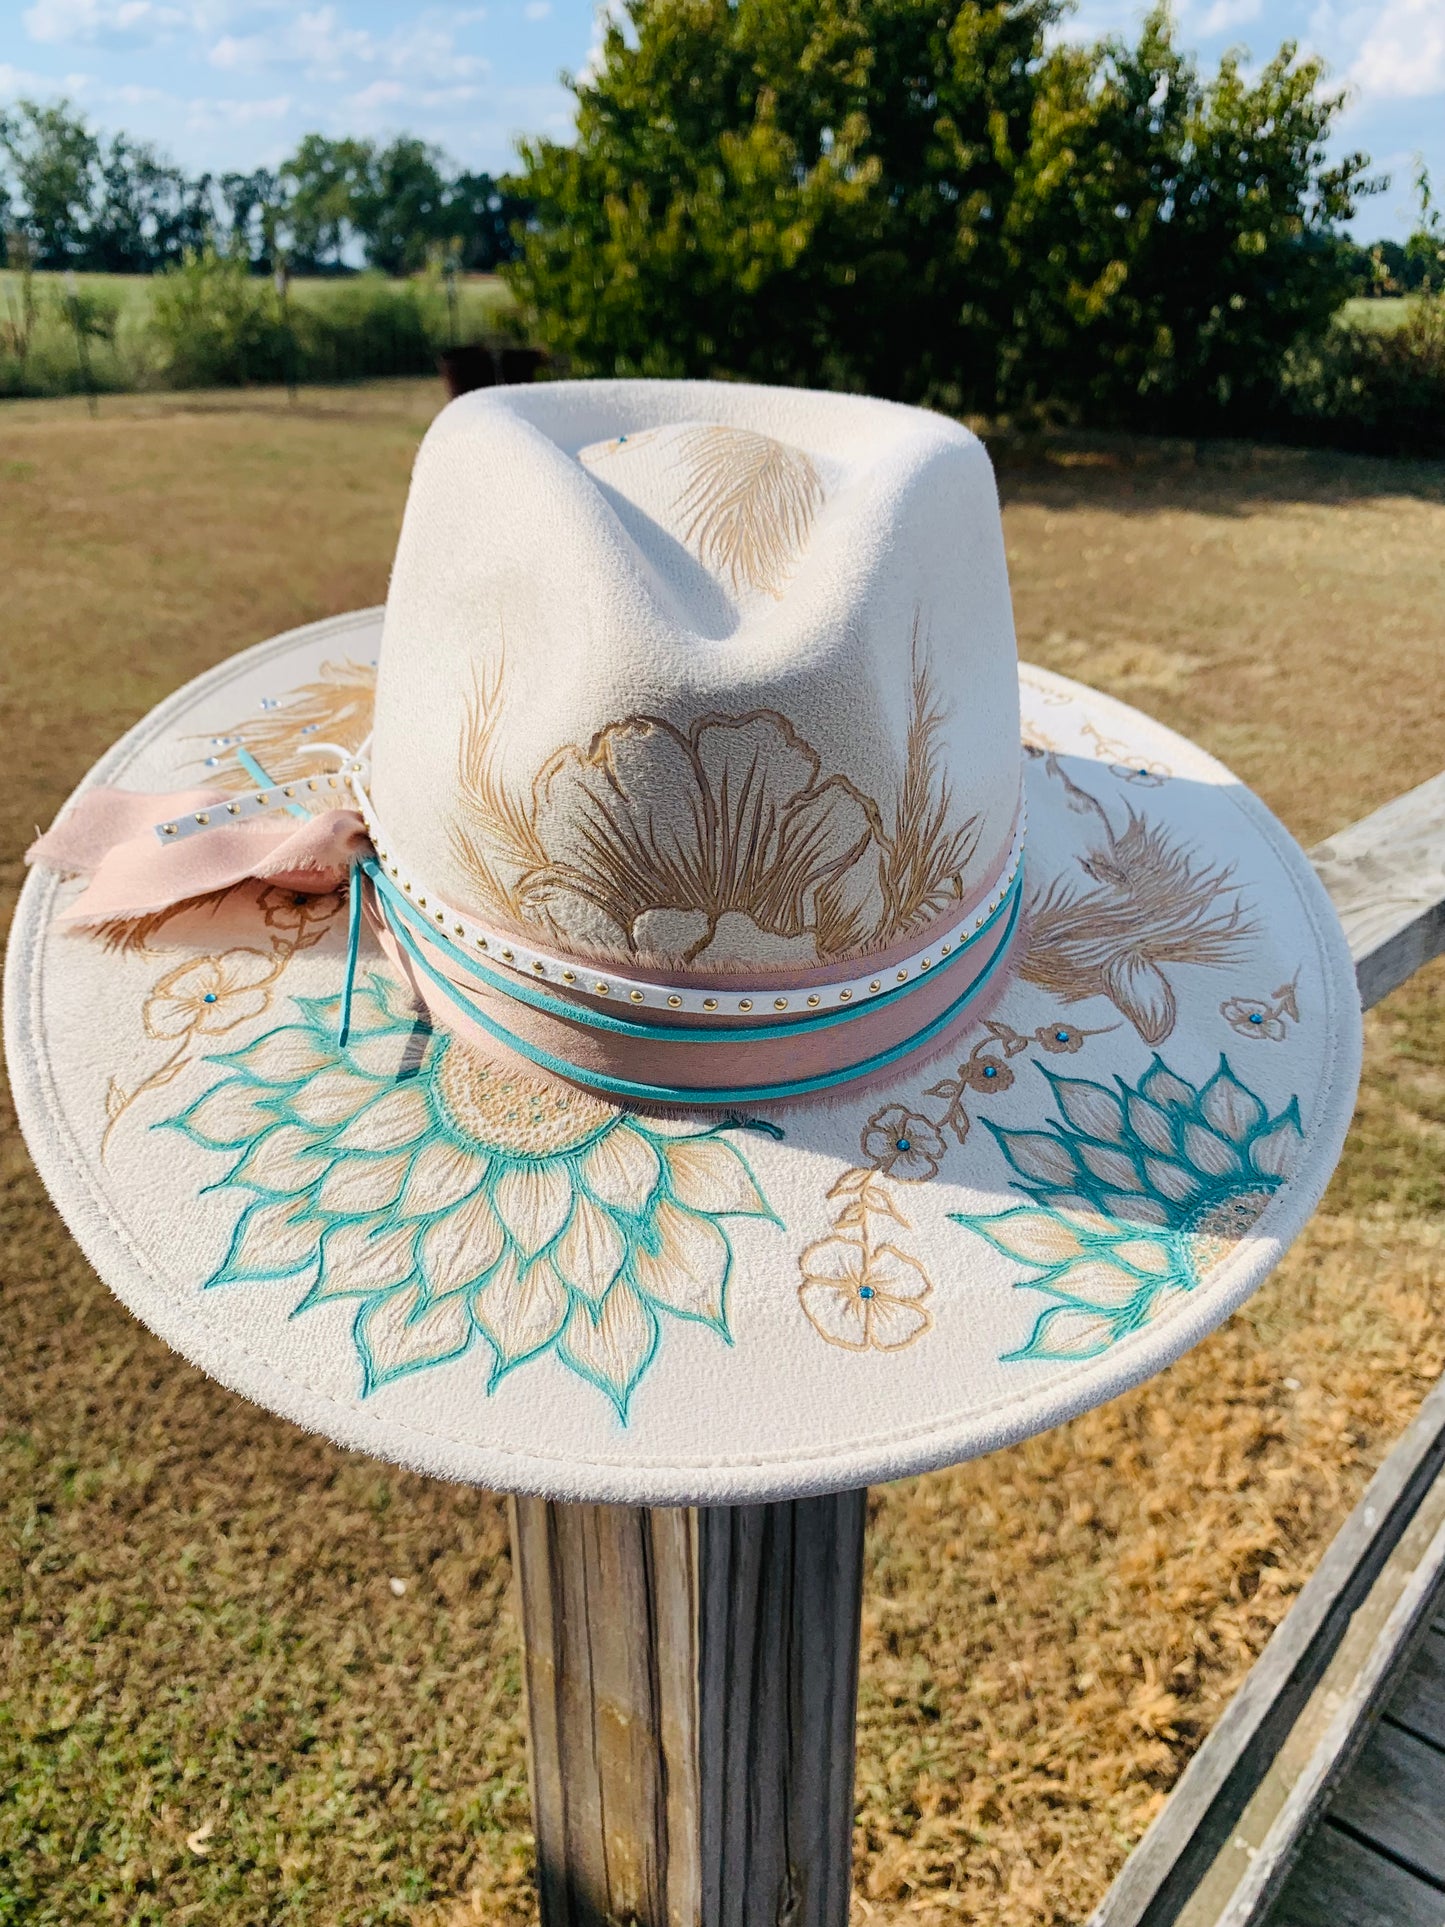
15,80
316,41
1402,56
239,113
1225,15
325,48
113,23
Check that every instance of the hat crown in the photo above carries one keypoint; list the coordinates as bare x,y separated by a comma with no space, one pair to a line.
699,677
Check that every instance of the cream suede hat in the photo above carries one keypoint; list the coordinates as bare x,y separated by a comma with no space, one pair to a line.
670,1011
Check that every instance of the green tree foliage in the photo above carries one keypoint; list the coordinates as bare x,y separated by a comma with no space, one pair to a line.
52,159
936,202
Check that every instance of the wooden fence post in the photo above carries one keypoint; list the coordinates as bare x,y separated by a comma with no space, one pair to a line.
692,1680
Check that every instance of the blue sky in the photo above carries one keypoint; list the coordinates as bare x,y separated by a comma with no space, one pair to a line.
233,83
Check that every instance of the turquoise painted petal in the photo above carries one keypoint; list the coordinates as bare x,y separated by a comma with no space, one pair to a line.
613,1347
275,1238
402,1333
1229,1108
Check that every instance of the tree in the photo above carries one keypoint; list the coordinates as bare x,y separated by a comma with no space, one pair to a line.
398,204
147,212
319,184
252,204
789,189
930,200
53,158
481,214
1172,238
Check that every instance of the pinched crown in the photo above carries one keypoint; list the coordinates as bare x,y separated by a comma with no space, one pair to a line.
700,677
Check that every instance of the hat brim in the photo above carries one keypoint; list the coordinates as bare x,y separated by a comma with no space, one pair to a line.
444,1263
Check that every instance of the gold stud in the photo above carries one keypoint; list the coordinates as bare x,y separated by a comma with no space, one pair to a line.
539,967
261,799
203,817
421,903
393,869
331,782
407,888
845,996
945,950
441,916
569,977
457,930
311,783
745,1003
780,1003
674,1003
507,957
875,985
481,943
902,976
168,829
812,1003
635,995
233,809
288,792
709,1003
927,964
603,990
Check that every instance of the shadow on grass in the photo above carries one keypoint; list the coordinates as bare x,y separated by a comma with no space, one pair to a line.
1147,475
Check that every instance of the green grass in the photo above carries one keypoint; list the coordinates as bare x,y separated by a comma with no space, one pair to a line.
213,1707
1380,311
130,359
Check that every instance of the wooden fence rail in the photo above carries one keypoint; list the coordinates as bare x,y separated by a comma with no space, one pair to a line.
1219,1851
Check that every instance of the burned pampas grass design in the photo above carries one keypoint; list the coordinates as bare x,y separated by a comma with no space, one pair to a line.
494,834
925,858
748,504
336,708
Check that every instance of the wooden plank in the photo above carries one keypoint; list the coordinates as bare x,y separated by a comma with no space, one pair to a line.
1245,1877
1340,1882
1386,877
1419,1702
1199,1823
691,1681
1395,1800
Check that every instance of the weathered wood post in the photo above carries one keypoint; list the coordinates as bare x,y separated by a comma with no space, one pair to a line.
692,1680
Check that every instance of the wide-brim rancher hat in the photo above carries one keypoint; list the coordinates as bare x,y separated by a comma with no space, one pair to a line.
669,1009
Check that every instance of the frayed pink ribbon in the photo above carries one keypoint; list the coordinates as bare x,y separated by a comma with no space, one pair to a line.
110,837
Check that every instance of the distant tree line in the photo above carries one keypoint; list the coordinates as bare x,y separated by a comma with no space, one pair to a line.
71,198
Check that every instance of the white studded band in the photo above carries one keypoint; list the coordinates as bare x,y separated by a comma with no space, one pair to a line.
546,966
237,809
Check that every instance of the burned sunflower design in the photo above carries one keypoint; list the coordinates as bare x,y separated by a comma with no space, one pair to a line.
1134,1197
459,1203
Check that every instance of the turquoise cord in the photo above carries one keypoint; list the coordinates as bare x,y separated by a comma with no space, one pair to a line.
539,999
626,1087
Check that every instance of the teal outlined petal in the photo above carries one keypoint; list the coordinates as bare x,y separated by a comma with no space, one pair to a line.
1163,1171
401,1332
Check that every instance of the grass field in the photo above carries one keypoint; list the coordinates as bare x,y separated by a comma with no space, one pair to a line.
1382,311
214,1705
127,357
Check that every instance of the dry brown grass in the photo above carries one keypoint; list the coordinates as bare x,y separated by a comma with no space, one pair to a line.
198,1624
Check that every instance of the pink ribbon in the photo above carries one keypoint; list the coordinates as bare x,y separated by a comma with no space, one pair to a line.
110,837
